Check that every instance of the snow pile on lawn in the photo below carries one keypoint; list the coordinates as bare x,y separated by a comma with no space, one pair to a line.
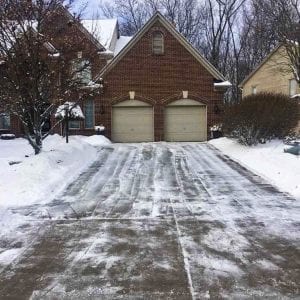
267,160
97,140
26,180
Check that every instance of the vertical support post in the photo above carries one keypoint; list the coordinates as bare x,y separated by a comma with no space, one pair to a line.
67,121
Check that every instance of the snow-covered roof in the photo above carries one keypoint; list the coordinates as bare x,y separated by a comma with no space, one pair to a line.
297,96
74,109
121,43
223,84
102,30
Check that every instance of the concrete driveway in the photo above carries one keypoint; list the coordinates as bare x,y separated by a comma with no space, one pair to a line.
160,221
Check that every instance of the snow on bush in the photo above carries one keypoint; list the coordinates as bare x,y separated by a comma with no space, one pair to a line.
74,109
7,136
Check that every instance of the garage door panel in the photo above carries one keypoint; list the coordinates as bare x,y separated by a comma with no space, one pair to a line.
185,123
132,124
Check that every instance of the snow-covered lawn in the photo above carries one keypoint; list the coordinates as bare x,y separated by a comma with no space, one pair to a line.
267,160
27,178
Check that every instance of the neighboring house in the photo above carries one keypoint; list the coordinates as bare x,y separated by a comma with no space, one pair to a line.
273,75
95,42
156,86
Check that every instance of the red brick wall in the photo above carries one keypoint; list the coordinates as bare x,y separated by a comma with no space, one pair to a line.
66,36
158,79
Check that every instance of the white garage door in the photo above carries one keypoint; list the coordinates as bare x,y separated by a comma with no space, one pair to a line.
185,121
132,121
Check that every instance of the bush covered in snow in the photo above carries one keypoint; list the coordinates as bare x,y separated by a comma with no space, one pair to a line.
261,117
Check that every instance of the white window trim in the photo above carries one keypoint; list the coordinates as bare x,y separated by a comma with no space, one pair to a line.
254,90
290,87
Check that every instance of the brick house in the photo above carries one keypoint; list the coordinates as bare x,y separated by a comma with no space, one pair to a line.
156,86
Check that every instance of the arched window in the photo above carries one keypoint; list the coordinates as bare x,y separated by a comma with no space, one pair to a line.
157,43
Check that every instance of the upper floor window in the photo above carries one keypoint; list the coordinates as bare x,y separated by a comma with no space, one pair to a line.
254,90
4,121
293,87
157,43
81,71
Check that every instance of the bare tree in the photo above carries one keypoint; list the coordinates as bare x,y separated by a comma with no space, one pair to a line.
35,63
234,35
133,14
238,68
288,15
275,22
215,36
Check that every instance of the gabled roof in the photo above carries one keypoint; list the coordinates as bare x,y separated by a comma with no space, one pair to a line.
106,31
260,65
83,29
102,30
121,43
159,17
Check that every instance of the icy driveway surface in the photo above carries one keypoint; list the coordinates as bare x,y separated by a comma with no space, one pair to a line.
160,221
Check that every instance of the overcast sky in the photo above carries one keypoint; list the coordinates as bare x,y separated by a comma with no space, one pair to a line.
92,7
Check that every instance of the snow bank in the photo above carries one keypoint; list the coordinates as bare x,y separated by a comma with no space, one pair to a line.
97,140
268,160
27,180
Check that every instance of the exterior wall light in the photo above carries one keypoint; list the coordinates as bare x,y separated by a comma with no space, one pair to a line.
217,109
185,94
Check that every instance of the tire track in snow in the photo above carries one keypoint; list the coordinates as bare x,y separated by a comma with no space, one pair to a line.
184,253
143,181
107,188
177,157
